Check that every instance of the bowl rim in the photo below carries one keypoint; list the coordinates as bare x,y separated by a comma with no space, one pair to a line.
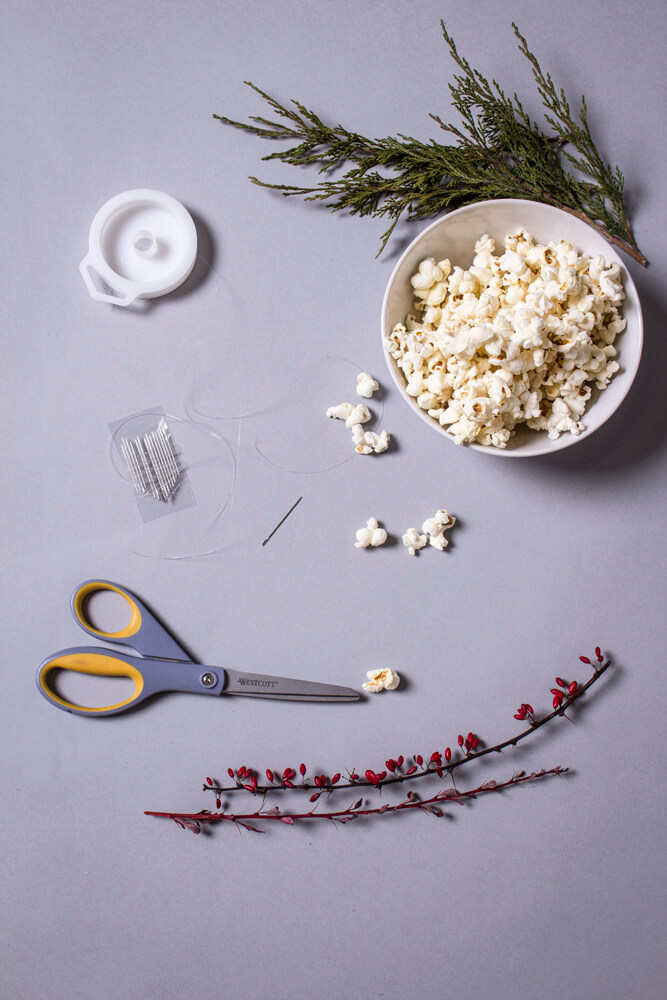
565,440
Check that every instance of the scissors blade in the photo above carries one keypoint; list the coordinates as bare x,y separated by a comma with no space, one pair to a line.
285,688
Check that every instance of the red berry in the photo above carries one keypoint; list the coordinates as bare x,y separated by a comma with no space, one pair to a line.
399,762
230,772
411,770
208,781
419,759
336,778
561,682
302,769
460,741
556,702
584,659
269,774
448,754
391,764
573,687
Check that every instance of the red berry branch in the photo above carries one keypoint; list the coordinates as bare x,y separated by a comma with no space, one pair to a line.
396,770
433,805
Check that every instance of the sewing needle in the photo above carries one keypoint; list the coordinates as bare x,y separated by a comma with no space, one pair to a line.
282,520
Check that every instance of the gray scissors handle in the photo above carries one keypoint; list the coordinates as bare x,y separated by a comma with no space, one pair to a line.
143,633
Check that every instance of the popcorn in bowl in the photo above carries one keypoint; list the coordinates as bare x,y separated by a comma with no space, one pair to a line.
520,338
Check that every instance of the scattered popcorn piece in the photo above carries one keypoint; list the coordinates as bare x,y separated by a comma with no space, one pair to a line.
340,412
521,337
366,385
436,526
368,442
381,680
413,540
372,535
358,414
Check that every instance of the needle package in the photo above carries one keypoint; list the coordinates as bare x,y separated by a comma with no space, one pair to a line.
144,454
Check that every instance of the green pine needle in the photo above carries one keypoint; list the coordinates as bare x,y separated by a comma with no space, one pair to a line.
498,152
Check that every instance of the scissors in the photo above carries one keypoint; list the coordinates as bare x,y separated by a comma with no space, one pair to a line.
163,664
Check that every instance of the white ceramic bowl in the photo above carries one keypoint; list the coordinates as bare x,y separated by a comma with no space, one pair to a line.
453,236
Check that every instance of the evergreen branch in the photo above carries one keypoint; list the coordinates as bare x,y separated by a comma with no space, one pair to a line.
497,152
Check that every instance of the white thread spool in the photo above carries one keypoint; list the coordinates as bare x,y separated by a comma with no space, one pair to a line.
142,244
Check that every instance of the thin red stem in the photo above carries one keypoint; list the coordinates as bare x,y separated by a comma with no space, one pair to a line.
342,815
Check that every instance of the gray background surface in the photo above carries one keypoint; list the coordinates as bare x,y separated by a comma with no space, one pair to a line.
554,890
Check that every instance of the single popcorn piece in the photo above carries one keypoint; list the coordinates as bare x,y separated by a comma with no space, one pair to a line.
368,442
351,414
436,526
381,680
359,414
522,337
413,540
372,535
366,385
340,412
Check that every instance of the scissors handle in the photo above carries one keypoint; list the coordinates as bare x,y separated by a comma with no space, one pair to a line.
150,677
143,632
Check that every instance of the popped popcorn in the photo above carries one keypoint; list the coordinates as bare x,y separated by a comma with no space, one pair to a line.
414,540
352,415
366,385
368,442
518,338
435,527
340,412
381,680
365,442
372,535
359,414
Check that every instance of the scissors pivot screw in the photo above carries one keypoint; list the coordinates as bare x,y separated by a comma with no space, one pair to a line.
208,680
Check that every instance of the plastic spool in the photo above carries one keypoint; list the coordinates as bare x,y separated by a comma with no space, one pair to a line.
142,244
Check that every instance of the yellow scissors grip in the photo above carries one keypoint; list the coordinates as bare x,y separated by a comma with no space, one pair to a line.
82,593
96,663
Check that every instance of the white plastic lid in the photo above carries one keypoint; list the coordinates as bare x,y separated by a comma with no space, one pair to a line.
142,244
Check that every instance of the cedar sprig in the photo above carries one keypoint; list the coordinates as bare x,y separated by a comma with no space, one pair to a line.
500,152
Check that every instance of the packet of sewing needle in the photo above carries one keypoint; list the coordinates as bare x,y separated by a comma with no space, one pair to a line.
145,455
